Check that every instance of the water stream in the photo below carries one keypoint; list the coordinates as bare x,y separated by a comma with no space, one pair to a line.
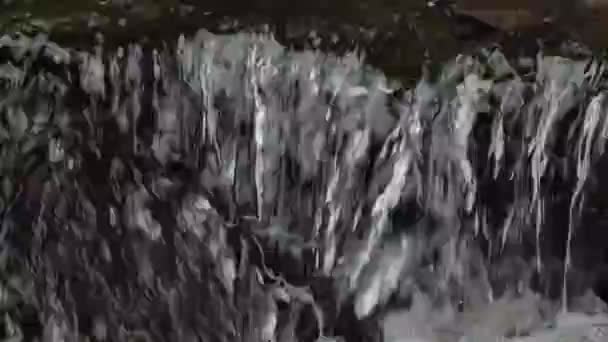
226,188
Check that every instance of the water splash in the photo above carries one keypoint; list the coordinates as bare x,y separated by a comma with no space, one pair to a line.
214,163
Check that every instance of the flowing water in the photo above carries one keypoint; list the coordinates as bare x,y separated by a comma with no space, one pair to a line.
223,187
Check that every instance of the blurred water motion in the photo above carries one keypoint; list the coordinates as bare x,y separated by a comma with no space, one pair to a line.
226,188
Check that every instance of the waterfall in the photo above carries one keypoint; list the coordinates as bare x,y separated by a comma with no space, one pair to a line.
224,187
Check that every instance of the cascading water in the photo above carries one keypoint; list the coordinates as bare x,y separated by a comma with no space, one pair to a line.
225,188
